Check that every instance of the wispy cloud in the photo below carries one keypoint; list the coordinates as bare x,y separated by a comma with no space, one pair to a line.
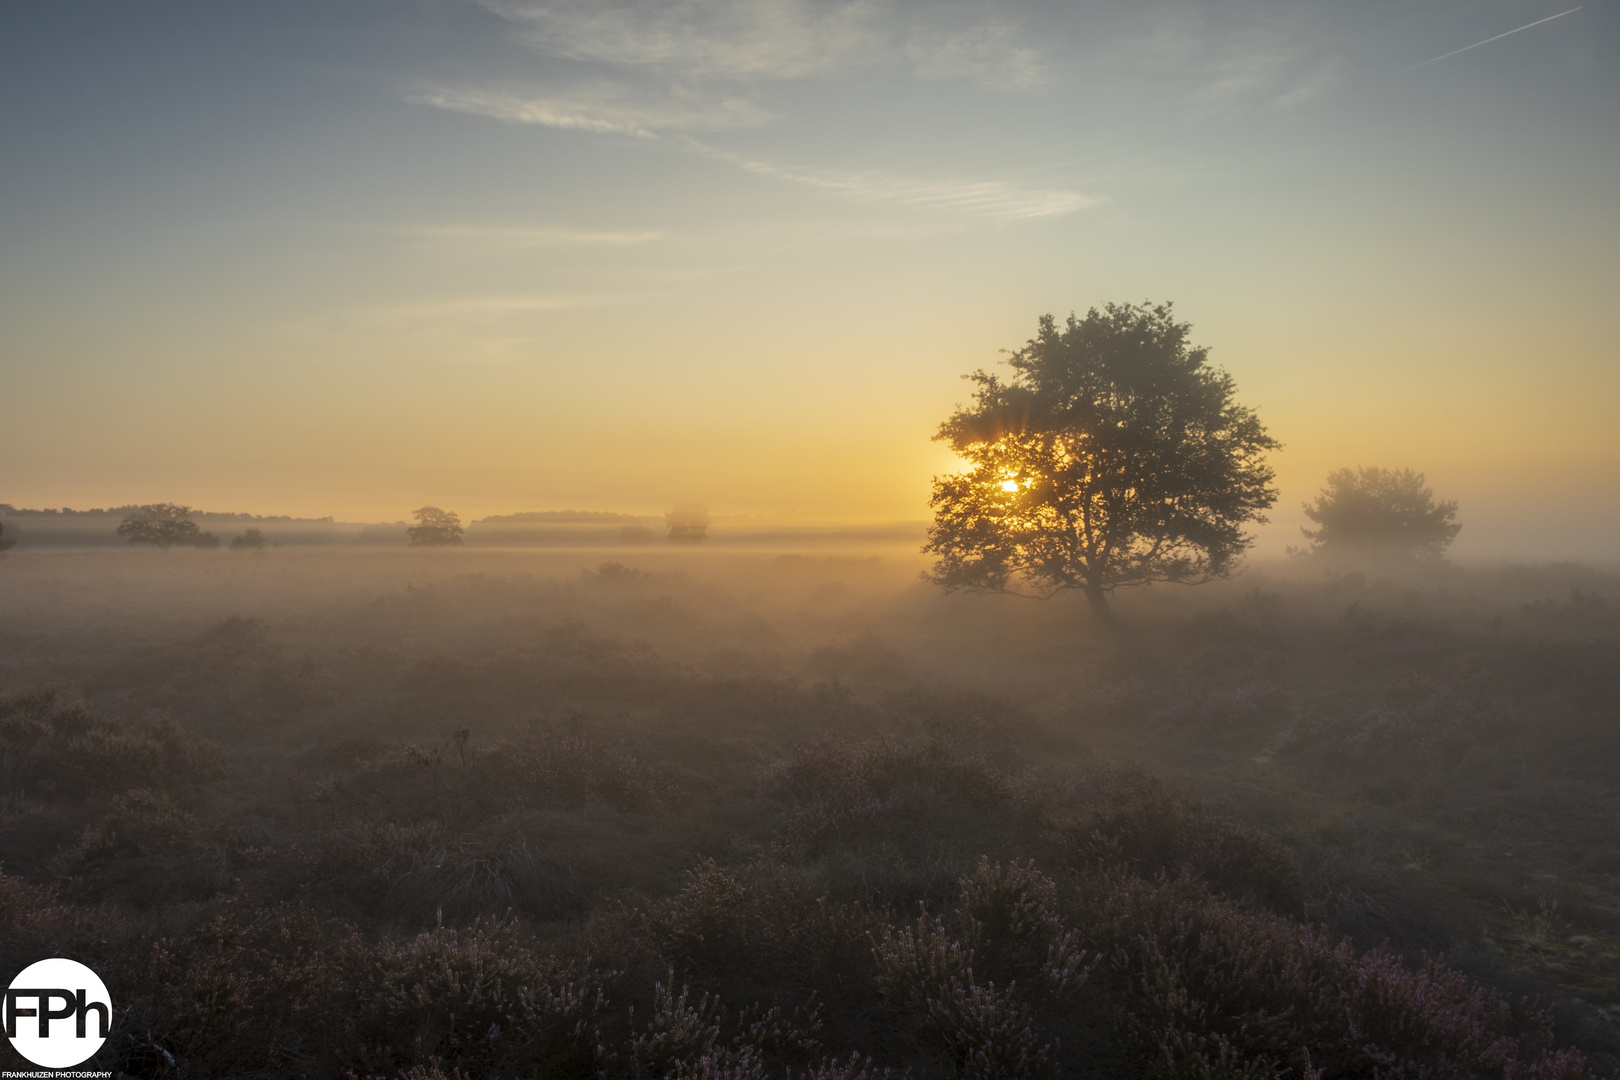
1243,57
526,236
689,40
600,108
992,199
987,55
997,199
681,67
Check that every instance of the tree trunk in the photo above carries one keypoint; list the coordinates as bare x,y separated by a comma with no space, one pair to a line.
1099,602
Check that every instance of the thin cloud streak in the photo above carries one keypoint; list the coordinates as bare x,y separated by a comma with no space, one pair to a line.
489,305
529,237
603,110
987,199
996,199
1498,37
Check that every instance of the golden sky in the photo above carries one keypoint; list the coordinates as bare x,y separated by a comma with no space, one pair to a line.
347,258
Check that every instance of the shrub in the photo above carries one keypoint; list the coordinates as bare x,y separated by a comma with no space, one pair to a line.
1015,916
989,1033
845,792
1210,989
1126,818
65,750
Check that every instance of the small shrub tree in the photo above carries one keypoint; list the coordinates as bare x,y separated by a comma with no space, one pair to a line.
165,525
251,540
435,528
1380,513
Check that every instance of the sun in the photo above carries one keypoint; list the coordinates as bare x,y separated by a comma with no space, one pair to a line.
1009,485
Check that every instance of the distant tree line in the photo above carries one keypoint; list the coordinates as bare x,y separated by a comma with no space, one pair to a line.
685,525
166,525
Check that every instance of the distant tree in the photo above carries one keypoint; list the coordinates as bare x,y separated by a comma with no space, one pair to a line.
1114,455
206,540
5,544
1380,513
164,524
687,525
435,528
250,540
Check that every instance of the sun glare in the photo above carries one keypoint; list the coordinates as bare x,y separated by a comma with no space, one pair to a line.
1009,485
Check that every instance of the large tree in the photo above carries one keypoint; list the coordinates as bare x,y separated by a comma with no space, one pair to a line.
1380,514
1113,455
435,528
165,525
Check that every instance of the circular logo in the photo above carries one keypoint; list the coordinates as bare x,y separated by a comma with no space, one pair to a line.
57,1013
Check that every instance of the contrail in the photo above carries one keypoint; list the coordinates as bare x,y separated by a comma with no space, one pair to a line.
1499,37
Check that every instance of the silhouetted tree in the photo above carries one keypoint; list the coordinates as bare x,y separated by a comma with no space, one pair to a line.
163,524
1380,513
435,528
250,540
5,544
1114,455
687,525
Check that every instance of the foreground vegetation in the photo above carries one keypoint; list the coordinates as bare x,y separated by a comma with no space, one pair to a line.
323,815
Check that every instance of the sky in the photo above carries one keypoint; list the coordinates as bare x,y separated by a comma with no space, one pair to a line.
349,257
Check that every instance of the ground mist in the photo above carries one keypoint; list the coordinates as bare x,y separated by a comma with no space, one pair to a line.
646,813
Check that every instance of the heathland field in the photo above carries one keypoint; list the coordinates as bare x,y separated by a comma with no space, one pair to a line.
341,813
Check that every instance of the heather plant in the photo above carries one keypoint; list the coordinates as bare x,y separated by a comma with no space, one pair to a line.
716,917
1126,818
919,962
990,1033
252,988
846,791
748,926
681,1034
1214,989
146,850
1432,1021
58,748
485,998
1015,918
543,769
34,922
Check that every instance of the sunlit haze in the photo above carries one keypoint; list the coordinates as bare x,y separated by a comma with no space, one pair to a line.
347,258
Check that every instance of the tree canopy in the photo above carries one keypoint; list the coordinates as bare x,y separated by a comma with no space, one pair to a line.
687,525
165,525
1380,513
435,528
1114,455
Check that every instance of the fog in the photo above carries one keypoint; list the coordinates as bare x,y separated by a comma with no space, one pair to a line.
332,777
